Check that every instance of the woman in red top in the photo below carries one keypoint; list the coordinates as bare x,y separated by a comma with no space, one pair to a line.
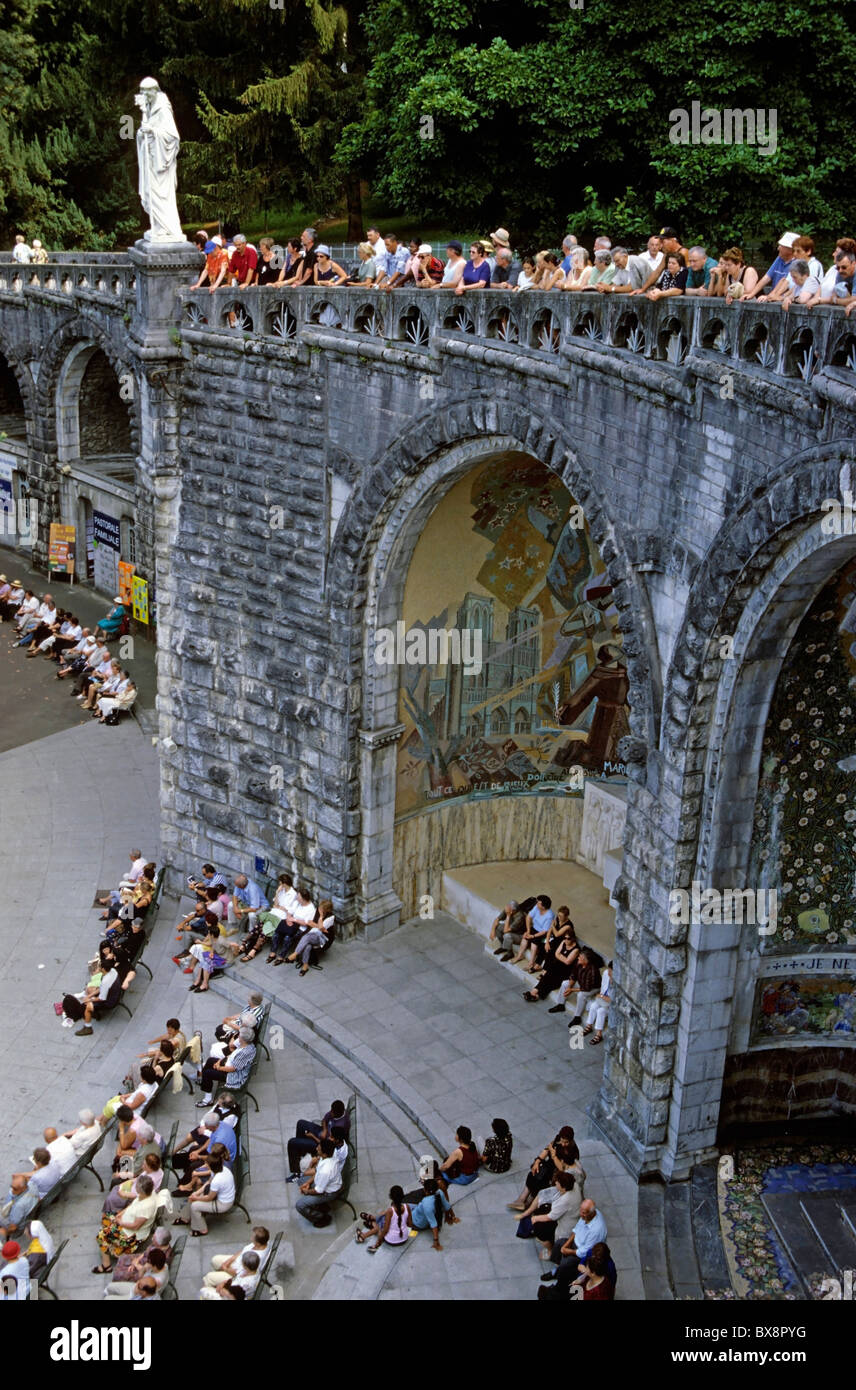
462,1165
594,1282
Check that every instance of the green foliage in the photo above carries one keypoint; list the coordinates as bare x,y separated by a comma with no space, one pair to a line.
543,117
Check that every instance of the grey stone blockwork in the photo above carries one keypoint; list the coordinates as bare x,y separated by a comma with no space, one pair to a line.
287,468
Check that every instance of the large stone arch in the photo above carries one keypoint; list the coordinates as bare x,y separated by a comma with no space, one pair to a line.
63,363
22,376
666,1055
369,559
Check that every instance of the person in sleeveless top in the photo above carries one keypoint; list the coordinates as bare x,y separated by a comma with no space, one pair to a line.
390,1227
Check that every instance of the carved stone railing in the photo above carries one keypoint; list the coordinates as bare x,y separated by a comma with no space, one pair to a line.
758,338
110,278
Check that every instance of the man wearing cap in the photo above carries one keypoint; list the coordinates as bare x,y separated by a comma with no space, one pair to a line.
15,1266
391,263
427,269
216,265
779,269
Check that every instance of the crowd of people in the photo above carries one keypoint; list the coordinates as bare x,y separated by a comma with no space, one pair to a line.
544,942
101,685
226,924
664,268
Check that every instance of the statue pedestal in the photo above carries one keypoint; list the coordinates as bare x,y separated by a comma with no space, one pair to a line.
163,269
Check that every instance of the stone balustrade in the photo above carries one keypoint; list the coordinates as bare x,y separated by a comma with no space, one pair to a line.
757,337
108,278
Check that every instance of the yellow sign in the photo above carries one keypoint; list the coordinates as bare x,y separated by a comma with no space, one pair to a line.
140,599
61,549
126,575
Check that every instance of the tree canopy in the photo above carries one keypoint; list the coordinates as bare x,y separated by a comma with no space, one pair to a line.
539,116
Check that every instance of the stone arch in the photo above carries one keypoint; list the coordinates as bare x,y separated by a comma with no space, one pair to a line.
368,566
88,380
748,598
16,395
63,364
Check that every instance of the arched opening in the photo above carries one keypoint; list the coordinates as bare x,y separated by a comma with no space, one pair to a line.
93,417
495,683
94,406
13,416
731,1060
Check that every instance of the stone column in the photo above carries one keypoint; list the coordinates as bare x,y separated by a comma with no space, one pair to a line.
162,271
379,907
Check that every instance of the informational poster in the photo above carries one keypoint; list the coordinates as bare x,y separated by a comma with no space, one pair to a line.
140,599
126,586
6,502
61,549
106,545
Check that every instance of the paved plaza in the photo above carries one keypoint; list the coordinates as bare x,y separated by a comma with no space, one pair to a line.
425,1026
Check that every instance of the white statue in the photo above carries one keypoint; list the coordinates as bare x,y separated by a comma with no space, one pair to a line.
157,155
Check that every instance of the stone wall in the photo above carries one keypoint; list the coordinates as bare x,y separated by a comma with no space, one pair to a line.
512,828
285,469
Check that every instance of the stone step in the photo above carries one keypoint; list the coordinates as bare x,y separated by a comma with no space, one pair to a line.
682,1262
652,1242
341,1062
825,1215
707,1232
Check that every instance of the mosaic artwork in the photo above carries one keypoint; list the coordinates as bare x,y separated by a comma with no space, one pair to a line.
805,1008
805,816
540,687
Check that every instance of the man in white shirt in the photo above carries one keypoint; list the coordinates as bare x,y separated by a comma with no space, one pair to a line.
325,1183
292,926
29,606
21,252
60,1149
86,1133
12,601
41,624
80,652
643,266
223,1267
217,1195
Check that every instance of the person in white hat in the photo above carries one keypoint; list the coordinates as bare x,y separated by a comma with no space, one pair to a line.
427,269
780,267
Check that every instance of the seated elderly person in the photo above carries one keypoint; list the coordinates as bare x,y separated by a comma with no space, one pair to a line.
123,1193
224,1267
153,1270
507,928
126,1232
45,1175
72,661
571,1253
285,901
87,1133
290,928
316,937
111,624
36,620
14,1266
233,1070
38,1245
11,600
130,1267
244,1274
68,636
335,1125
98,668
250,1017
97,998
541,1218
20,1200
61,1149
110,703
